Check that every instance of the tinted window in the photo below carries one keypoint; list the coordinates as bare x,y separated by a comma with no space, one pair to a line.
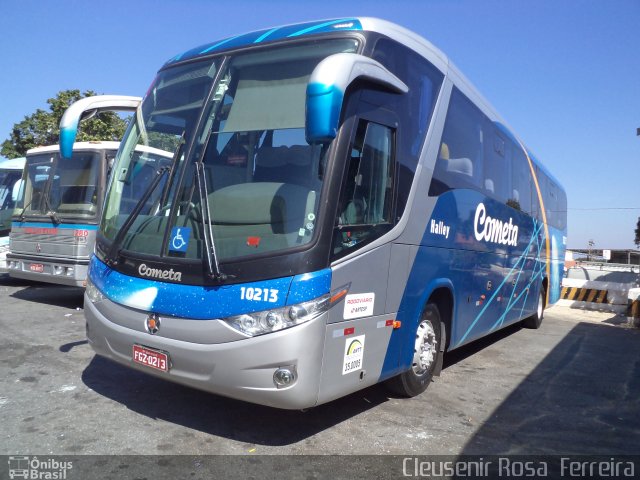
497,165
460,162
365,207
521,191
477,154
414,109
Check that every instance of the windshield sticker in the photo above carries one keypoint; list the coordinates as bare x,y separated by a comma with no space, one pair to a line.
253,242
180,239
353,354
359,305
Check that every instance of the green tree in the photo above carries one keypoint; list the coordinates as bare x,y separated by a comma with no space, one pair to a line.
637,240
43,127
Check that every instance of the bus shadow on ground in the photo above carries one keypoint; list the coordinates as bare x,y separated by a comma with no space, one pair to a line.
220,416
59,296
45,293
583,398
460,354
7,281
235,419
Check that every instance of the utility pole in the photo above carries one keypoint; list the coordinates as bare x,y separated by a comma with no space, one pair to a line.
591,244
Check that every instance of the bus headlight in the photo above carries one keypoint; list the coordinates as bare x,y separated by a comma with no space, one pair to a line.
92,292
267,321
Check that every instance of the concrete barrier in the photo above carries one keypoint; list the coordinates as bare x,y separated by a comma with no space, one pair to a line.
599,287
584,294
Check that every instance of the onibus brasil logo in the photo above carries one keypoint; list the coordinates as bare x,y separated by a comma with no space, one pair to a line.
35,468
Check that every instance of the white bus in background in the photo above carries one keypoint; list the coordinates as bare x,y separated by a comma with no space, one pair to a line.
10,175
54,224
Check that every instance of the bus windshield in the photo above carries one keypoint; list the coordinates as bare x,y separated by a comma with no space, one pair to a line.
243,121
8,179
66,187
8,196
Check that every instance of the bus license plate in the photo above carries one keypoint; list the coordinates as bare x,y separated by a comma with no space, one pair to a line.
36,267
151,358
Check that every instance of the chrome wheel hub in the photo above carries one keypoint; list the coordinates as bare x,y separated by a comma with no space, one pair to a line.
426,348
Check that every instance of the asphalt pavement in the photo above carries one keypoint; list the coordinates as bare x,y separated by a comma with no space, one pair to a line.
571,387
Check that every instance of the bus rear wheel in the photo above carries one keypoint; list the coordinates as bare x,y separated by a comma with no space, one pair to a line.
425,356
535,320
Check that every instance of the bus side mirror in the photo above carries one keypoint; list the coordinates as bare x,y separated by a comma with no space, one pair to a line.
17,191
328,83
86,108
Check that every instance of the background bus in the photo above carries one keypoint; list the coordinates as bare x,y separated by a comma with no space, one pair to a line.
10,175
54,225
343,207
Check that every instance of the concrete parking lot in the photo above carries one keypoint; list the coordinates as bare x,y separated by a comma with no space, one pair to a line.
572,387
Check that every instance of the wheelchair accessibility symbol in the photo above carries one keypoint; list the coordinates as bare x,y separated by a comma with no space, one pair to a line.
180,239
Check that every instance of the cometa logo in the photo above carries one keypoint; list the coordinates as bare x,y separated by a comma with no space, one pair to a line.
159,274
493,230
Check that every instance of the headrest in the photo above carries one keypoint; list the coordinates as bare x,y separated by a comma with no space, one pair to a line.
444,151
463,166
256,203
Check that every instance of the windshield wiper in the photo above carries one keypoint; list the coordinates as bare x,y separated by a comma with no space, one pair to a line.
50,213
24,209
213,267
111,257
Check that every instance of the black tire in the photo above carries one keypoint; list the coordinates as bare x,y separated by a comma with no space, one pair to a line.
428,334
535,320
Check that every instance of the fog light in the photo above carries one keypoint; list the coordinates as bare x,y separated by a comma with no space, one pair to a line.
69,271
58,270
284,377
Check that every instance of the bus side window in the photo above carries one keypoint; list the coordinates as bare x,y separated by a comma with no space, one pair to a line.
461,159
365,209
521,192
497,166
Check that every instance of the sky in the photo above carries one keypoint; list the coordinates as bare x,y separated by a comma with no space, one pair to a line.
565,75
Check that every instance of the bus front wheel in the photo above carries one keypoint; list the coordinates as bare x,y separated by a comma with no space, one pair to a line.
425,356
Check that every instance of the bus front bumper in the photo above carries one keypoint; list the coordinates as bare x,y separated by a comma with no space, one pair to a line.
242,369
61,271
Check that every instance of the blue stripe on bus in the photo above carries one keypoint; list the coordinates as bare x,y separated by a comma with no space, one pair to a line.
278,33
73,226
308,286
521,261
463,265
265,35
201,302
216,45
349,24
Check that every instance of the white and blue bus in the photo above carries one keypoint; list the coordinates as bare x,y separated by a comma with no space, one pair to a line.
10,175
341,209
54,223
